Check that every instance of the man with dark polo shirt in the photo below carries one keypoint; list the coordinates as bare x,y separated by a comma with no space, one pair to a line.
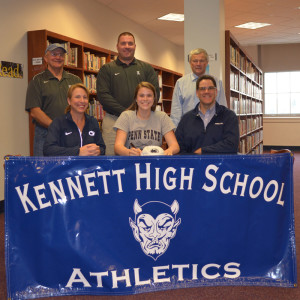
116,83
46,96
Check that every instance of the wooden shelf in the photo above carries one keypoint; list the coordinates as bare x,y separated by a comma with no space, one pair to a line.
88,58
244,94
167,80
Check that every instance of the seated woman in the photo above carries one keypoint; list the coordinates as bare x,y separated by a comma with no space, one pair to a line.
75,133
141,125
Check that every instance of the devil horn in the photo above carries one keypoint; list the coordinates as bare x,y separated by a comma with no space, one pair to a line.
175,207
136,207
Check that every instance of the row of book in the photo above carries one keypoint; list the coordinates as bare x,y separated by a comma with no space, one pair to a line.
250,141
248,68
249,89
234,80
241,84
243,127
256,123
241,62
92,62
256,92
90,82
235,56
257,107
253,73
259,149
234,105
249,124
95,109
245,106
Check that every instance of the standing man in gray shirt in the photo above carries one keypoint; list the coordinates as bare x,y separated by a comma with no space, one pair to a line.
46,96
116,83
184,96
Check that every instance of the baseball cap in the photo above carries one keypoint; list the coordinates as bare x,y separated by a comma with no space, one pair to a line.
54,46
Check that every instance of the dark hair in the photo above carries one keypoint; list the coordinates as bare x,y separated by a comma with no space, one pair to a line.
149,86
71,90
205,77
125,33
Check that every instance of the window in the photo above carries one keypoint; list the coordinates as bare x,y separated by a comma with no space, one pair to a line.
282,94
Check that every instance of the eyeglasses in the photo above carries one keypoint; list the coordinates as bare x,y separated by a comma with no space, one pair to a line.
55,54
201,61
209,88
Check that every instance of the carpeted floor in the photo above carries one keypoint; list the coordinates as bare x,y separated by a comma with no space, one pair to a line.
207,293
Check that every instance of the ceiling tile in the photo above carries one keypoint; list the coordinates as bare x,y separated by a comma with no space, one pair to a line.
282,14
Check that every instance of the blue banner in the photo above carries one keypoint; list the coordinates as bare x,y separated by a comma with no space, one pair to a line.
119,225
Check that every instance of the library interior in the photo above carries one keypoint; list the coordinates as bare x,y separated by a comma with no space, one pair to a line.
259,68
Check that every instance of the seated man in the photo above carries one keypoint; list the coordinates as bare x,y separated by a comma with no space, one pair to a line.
210,128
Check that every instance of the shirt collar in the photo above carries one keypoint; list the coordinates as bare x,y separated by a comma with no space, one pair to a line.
194,77
210,111
120,63
51,76
68,116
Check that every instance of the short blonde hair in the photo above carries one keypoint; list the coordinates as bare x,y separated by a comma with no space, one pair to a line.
196,52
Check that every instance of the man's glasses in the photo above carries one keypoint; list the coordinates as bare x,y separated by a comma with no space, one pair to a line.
209,88
55,54
201,61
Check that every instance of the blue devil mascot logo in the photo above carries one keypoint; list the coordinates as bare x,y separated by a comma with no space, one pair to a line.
154,226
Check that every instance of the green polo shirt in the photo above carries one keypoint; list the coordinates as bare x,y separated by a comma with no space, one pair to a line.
116,83
49,93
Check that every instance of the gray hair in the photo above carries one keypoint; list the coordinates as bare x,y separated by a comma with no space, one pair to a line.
198,51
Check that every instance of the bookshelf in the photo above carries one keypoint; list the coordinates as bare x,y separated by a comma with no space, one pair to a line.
167,80
244,94
85,60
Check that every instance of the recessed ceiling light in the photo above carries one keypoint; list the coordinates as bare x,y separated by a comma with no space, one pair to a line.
252,25
172,17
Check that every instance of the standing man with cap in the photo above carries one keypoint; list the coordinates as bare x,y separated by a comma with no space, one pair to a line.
46,96
184,96
116,84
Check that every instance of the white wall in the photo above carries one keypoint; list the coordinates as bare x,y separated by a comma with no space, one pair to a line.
280,58
87,21
210,33
281,132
